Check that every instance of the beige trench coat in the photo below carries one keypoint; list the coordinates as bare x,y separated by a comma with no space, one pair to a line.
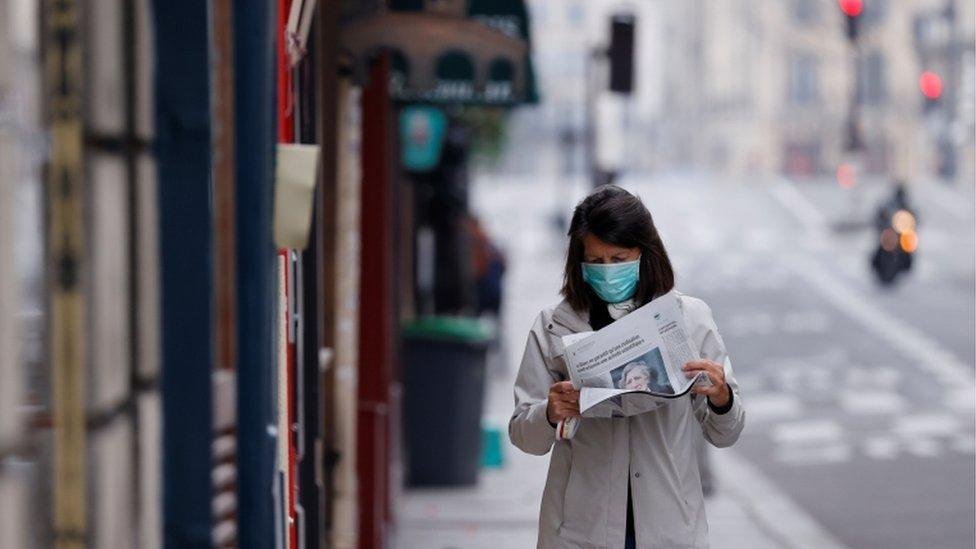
585,500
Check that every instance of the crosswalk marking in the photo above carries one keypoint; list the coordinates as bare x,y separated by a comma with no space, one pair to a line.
831,447
870,402
805,321
808,431
884,378
814,454
924,447
881,447
961,400
923,352
926,425
773,407
902,431
964,443
819,441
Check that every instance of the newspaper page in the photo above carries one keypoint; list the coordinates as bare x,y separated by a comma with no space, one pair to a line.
633,365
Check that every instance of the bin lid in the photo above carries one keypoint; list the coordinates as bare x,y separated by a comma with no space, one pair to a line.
451,328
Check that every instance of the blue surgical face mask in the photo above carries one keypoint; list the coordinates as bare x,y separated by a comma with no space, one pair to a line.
613,282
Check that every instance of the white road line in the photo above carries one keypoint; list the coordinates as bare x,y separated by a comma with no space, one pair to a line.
837,452
810,321
926,425
813,431
778,515
964,444
883,377
765,407
867,403
881,447
961,400
924,353
793,201
950,201
752,322
924,447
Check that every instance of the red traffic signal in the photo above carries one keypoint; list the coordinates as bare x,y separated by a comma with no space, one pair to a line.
851,8
931,85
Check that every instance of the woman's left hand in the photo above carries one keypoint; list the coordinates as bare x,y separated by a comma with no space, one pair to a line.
718,393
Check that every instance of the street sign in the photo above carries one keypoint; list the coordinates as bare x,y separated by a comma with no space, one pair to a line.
422,132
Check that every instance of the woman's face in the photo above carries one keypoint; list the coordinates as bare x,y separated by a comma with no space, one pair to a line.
638,378
598,251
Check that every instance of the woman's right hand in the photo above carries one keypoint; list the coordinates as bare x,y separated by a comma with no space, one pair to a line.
563,401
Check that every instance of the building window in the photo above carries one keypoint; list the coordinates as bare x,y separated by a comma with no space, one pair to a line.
871,83
575,14
874,11
801,159
803,87
805,11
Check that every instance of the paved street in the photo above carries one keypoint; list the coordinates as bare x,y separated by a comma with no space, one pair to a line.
860,413
860,399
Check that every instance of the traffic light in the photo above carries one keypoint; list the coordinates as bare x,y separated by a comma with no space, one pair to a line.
931,85
852,10
622,53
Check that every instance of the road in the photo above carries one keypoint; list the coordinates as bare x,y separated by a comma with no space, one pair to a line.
860,400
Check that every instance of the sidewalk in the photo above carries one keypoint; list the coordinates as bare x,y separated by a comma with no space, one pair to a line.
501,512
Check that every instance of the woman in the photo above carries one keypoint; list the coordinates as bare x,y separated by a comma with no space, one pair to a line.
624,481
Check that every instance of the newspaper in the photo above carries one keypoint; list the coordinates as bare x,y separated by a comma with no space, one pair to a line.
633,365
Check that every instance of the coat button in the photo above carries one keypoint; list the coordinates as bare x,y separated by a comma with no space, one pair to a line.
636,475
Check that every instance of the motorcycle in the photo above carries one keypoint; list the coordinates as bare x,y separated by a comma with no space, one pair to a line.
897,240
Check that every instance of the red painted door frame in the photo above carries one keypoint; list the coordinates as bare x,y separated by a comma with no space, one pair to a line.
377,309
286,134
286,106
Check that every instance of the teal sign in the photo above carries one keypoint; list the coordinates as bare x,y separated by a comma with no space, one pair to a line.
422,132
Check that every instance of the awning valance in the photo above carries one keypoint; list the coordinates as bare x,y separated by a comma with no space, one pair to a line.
448,51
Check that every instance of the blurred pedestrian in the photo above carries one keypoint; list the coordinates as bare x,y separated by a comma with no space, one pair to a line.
621,482
488,266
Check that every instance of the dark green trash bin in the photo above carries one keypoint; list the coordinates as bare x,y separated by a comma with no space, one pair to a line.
443,393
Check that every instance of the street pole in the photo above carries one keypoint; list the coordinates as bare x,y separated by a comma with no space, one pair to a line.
597,175
854,142
954,68
619,79
588,120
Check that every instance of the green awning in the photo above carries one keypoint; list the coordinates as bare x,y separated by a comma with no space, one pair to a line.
511,18
468,52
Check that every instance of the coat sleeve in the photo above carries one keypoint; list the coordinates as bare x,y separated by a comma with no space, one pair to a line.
721,430
529,429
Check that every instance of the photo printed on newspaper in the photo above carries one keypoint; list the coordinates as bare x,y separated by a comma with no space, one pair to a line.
633,365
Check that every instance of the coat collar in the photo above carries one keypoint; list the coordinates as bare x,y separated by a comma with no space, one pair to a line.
569,317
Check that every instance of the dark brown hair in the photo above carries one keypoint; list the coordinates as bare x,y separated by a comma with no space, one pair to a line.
619,218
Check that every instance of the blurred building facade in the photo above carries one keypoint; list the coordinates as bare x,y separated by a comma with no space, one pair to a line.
764,88
778,80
